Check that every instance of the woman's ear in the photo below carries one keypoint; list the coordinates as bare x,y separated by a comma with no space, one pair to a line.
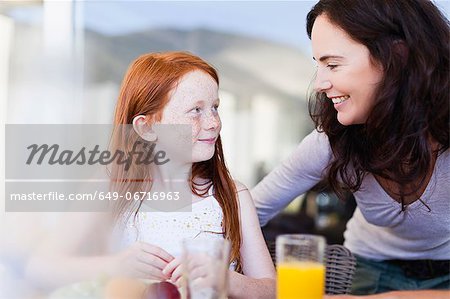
144,129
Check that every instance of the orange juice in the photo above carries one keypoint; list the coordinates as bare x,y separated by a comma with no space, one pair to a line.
300,280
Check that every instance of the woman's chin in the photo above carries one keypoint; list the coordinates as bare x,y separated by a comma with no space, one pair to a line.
344,119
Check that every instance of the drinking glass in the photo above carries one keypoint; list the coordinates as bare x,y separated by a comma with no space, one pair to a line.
205,268
300,266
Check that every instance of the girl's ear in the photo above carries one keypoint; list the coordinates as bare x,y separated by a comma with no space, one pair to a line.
144,129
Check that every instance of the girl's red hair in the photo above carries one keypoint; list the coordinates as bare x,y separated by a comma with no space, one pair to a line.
145,91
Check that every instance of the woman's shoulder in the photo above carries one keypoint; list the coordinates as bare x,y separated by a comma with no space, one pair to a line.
317,138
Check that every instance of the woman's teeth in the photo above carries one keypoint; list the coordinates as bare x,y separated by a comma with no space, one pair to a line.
339,100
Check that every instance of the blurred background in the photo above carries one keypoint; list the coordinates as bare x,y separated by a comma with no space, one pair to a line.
62,62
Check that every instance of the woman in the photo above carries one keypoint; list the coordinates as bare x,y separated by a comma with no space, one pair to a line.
381,111
171,89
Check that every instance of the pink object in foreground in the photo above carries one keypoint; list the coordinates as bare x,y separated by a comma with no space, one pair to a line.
162,290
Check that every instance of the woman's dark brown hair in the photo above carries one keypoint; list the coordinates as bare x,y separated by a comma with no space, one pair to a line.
410,39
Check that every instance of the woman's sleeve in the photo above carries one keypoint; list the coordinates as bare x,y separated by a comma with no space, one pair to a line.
303,169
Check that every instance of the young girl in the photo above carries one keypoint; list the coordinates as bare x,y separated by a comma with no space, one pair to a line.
178,88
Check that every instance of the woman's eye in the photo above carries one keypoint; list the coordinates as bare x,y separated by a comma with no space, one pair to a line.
216,108
332,66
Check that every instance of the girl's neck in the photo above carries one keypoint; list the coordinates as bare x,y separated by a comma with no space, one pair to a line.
166,177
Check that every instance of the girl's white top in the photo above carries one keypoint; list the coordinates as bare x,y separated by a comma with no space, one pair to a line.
168,229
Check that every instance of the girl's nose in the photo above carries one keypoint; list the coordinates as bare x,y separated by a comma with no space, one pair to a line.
212,121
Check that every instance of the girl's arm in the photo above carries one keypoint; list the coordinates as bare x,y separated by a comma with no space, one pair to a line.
258,280
77,251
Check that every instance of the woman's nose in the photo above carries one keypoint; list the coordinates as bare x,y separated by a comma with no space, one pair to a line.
322,82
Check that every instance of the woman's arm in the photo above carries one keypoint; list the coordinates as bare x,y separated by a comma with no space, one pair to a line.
258,280
303,169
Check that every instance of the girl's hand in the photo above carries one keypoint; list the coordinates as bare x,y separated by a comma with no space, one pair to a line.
141,260
199,269
174,271
202,271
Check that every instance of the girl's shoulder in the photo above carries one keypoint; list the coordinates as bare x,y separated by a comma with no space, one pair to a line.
240,187
244,197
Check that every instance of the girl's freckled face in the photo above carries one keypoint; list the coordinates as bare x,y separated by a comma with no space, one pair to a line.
194,101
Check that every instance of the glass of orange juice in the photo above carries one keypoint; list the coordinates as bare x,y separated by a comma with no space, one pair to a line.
300,266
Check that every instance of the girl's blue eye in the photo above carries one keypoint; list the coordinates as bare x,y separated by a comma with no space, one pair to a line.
196,110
